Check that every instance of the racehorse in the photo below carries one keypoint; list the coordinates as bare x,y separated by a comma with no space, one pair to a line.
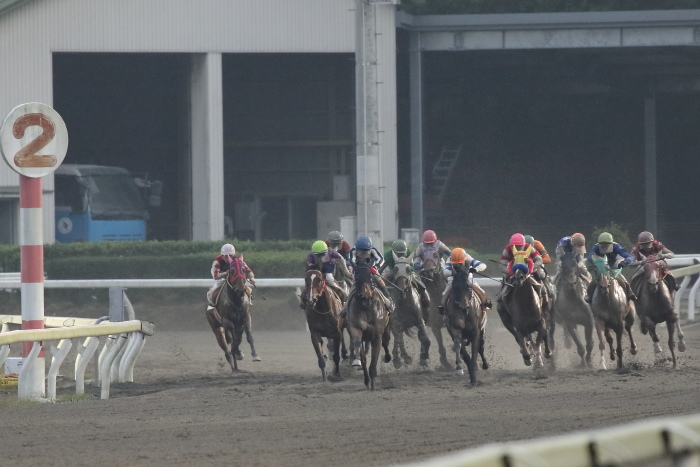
655,305
435,283
368,323
231,317
521,313
611,310
569,308
322,314
408,312
465,322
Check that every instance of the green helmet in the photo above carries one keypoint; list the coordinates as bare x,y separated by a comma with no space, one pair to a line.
529,239
605,237
399,246
319,247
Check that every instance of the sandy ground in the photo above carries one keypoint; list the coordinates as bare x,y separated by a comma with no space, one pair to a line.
186,408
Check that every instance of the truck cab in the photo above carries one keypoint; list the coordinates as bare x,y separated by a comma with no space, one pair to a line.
98,203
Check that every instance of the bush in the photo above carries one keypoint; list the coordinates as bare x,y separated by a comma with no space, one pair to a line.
619,234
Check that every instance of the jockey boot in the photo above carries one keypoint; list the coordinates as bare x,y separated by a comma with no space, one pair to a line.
628,291
589,292
672,283
338,290
503,292
485,301
302,301
387,298
443,300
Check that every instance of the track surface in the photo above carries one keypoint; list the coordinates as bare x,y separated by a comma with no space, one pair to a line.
186,408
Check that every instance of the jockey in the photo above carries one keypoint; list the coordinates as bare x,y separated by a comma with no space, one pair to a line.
219,271
400,249
648,246
608,248
325,259
541,272
429,247
364,254
517,252
335,241
461,260
575,244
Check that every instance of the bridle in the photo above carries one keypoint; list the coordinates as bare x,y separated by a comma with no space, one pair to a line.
313,297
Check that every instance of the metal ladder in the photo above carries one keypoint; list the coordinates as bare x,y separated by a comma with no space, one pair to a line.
442,170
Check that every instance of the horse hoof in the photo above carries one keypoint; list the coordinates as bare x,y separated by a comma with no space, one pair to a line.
633,350
256,358
387,358
484,366
397,363
459,371
239,356
356,362
527,361
408,360
424,362
657,348
681,346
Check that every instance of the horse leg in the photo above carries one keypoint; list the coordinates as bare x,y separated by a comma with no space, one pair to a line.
588,335
235,345
317,342
402,348
543,338
220,334
484,363
386,338
654,337
629,321
609,338
376,348
356,346
251,341
681,342
570,330
521,339
599,326
618,336
424,343
671,326
471,360
395,350
457,348
336,353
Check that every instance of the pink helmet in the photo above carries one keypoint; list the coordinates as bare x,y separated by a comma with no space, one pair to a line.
429,236
517,239
645,237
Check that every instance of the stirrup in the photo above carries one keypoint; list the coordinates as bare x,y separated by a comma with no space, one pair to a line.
487,303
211,307
441,309
587,299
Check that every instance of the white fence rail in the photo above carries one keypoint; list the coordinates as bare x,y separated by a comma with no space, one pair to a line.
630,444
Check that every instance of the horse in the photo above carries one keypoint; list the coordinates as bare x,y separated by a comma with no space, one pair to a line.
465,322
655,305
322,314
611,311
231,317
569,308
521,313
408,313
368,323
435,283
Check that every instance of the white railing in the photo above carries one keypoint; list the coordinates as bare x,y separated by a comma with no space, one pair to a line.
631,444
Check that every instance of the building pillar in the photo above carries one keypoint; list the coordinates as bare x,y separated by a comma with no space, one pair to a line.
650,194
416,119
206,127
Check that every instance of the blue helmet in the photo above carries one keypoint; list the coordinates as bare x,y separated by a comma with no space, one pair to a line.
363,243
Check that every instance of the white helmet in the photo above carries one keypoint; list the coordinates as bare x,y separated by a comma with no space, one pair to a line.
228,249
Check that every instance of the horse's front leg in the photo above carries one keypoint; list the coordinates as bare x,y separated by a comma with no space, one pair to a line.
395,350
651,329
599,327
671,344
376,348
220,334
457,349
317,342
336,353
424,343
570,330
484,363
629,321
543,338
236,342
470,360
386,340
355,345
521,339
681,342
618,350
249,338
436,327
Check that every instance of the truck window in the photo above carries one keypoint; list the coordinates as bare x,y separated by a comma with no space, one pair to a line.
69,192
115,196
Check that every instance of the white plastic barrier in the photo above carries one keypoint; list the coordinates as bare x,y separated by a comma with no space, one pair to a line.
59,352
677,439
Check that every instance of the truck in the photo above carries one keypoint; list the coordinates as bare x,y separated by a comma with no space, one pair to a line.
102,203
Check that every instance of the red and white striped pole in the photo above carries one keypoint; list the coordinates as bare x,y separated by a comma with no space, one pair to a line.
31,242
33,142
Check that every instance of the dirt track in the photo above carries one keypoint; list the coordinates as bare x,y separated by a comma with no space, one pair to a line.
185,407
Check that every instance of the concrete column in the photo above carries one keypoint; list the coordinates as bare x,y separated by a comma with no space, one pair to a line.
207,147
650,197
416,99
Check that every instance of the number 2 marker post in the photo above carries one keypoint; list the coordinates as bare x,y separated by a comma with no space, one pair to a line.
33,142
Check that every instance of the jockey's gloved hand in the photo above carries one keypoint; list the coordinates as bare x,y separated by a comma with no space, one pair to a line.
480,267
626,262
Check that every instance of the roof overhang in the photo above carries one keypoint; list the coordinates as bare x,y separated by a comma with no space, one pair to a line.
555,30
7,5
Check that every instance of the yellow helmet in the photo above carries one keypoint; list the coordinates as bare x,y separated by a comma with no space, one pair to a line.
319,247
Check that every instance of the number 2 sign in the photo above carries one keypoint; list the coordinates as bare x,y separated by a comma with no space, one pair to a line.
33,139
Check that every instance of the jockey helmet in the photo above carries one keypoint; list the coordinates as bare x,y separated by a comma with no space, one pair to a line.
578,240
363,243
645,237
399,247
335,238
319,247
517,239
458,256
429,236
228,249
605,237
529,239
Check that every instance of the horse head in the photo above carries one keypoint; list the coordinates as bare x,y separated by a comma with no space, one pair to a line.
653,272
236,278
315,285
521,275
402,273
569,269
364,285
602,274
462,290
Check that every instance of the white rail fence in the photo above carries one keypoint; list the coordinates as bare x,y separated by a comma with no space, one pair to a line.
677,439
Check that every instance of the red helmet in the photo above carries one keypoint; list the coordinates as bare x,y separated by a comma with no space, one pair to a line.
517,239
429,236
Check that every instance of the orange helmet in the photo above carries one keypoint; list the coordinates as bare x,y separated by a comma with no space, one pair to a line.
458,256
578,240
